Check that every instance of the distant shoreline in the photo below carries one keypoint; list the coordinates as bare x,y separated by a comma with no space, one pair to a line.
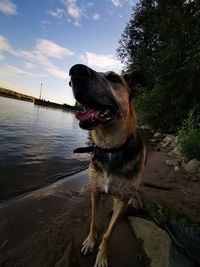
44,103
15,95
40,102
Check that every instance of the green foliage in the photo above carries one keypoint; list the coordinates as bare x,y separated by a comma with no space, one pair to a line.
78,106
18,95
156,212
163,38
189,135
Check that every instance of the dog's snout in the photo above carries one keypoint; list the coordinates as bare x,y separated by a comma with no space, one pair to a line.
80,71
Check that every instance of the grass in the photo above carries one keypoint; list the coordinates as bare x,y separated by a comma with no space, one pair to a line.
189,135
14,94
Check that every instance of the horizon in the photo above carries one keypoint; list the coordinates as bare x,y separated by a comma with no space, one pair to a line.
40,41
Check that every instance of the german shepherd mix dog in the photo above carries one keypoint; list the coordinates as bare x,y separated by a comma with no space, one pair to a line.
119,155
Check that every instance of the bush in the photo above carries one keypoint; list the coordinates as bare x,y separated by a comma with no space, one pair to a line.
78,106
146,110
163,38
189,135
155,109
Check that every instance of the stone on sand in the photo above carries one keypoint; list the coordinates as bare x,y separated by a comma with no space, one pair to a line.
158,245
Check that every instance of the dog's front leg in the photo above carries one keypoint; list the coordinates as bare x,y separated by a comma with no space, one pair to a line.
88,244
118,210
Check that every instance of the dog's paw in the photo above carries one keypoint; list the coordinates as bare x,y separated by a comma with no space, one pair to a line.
101,259
88,246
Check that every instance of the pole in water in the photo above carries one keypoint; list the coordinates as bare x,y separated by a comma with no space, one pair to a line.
40,90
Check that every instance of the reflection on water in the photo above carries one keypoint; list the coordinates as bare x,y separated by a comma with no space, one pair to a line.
35,143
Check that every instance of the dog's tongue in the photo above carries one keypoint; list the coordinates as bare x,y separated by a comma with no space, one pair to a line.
87,115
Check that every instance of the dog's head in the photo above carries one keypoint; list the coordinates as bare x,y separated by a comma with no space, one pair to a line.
105,96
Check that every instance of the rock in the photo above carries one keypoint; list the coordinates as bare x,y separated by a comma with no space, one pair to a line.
156,241
164,144
175,153
176,140
144,127
169,139
192,166
158,245
158,135
154,140
171,162
170,154
173,144
176,168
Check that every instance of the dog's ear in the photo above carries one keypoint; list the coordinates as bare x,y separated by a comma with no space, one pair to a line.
137,81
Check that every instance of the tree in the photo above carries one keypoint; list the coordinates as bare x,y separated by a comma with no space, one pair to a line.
163,37
78,106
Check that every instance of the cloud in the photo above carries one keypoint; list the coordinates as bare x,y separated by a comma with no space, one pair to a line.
57,72
45,24
96,16
29,65
1,57
74,11
90,4
116,2
10,70
58,13
41,56
101,61
7,7
5,46
42,53
51,49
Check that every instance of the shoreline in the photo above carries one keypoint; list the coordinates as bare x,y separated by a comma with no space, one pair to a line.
38,102
76,166
47,226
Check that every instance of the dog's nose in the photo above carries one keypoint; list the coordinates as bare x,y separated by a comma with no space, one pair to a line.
80,71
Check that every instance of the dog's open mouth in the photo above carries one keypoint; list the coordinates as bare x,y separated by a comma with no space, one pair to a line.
92,117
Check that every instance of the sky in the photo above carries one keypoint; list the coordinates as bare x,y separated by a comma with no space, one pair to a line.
41,39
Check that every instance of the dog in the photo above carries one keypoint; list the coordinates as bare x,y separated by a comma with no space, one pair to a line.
119,155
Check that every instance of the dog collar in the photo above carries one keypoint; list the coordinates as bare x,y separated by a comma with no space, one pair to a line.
95,148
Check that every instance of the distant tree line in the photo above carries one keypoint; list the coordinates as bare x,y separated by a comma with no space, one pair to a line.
163,37
76,107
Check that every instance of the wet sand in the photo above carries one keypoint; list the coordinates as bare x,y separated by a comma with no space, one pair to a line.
16,180
46,227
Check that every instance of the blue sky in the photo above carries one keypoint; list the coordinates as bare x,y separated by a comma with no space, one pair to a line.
41,39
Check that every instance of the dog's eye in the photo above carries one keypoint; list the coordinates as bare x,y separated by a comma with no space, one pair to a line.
113,78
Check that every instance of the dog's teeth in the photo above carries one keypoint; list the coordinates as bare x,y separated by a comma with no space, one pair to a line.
106,112
102,115
108,118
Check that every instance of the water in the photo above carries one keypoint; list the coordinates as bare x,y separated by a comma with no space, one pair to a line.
36,144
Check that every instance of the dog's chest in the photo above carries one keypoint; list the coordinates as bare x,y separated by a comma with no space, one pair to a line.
106,184
116,186
112,173
110,161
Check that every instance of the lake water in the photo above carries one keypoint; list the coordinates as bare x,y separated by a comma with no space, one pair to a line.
36,145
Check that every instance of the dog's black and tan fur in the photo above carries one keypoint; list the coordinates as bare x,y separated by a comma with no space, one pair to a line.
117,165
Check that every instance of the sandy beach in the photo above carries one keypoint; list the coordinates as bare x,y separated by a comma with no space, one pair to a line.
47,226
